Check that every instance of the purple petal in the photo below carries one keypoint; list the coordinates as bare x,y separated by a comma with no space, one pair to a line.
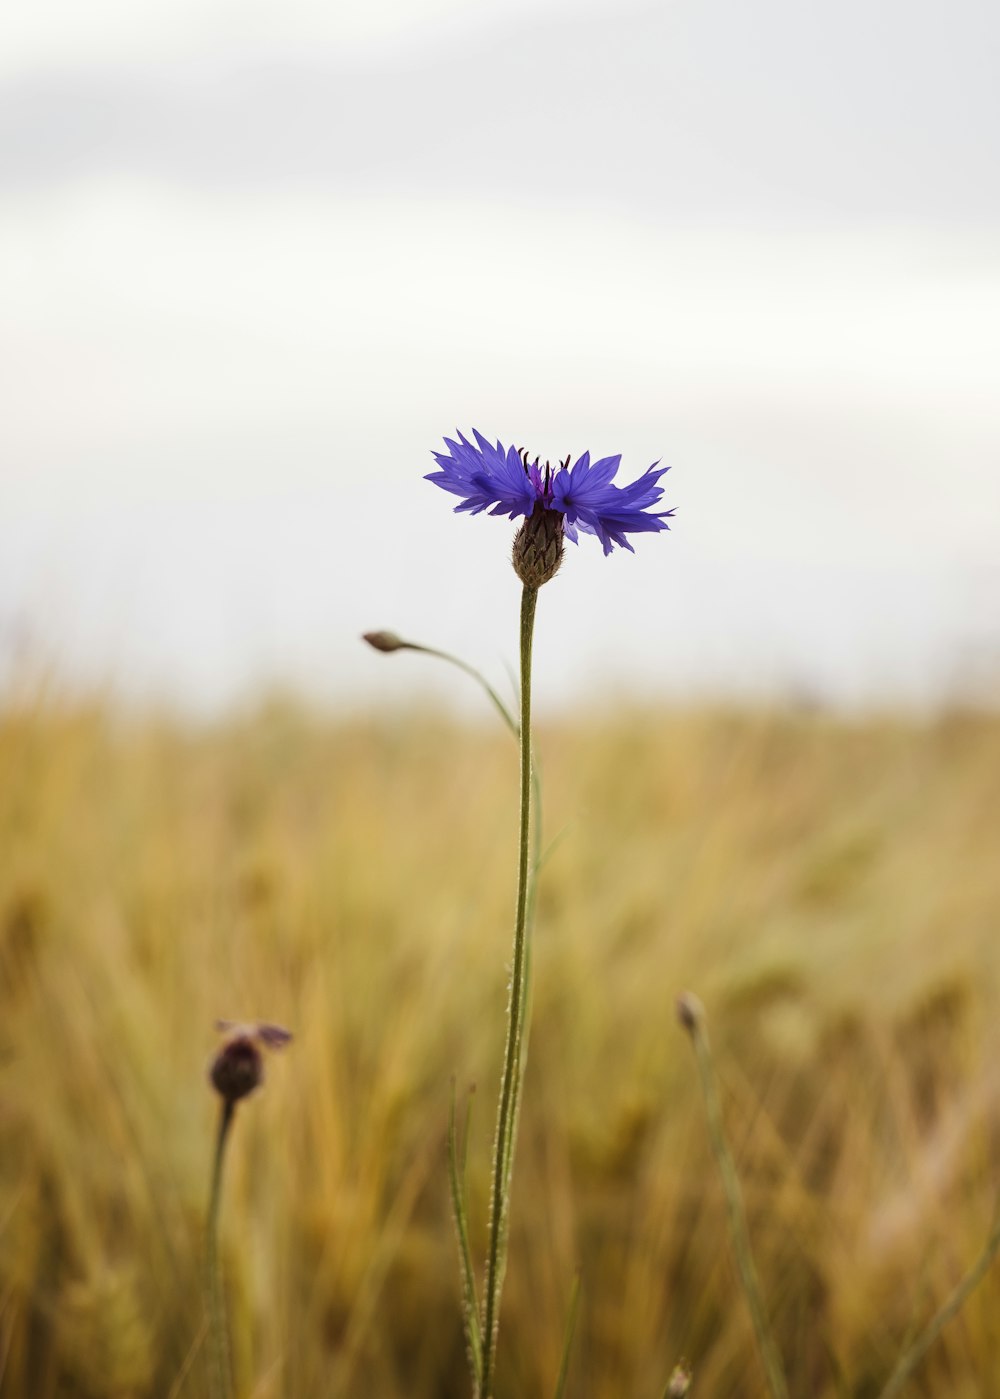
493,478
589,501
485,477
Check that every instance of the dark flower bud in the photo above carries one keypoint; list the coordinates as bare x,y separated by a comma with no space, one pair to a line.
384,641
538,547
238,1067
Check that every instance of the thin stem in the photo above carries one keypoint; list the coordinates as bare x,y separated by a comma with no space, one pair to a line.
571,1320
220,1380
470,1304
510,1084
913,1355
511,723
388,641
692,1019
469,670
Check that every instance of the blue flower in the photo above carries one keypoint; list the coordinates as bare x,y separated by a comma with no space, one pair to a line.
502,481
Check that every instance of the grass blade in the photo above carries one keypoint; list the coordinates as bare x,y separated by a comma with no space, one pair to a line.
456,1175
571,1320
692,1017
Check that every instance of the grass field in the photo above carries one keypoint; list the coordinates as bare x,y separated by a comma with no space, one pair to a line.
830,889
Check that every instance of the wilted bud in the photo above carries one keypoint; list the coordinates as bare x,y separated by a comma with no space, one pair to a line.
538,548
385,641
680,1381
690,1012
238,1067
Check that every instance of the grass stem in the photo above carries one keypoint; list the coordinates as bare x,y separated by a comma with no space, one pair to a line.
571,1319
692,1018
470,1304
918,1348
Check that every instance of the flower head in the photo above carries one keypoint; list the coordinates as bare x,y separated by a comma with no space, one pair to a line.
502,481
238,1067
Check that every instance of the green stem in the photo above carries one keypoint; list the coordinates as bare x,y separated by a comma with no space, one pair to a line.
510,1085
220,1381
471,671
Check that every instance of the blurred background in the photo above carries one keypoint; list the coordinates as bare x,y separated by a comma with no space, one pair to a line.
256,259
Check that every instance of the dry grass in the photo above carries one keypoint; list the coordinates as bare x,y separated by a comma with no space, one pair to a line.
831,890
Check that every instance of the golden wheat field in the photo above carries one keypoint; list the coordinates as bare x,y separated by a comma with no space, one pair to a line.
829,888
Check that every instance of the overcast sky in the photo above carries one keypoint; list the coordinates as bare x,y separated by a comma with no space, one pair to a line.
256,259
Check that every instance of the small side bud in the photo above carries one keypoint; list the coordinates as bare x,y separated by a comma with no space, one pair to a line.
538,547
690,1012
384,641
679,1385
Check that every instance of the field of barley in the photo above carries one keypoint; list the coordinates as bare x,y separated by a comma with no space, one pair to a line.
830,888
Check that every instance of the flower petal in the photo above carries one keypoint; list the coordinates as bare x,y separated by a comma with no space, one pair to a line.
494,478
589,501
485,477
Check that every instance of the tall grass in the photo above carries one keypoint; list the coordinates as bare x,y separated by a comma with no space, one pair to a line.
830,889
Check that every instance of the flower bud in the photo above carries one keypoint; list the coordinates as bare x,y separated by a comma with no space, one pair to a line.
538,547
680,1381
238,1068
690,1012
384,641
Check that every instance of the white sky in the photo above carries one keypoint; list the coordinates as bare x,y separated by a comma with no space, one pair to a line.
45,34
239,305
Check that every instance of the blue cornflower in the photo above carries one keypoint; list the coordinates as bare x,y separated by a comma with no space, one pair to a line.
502,480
